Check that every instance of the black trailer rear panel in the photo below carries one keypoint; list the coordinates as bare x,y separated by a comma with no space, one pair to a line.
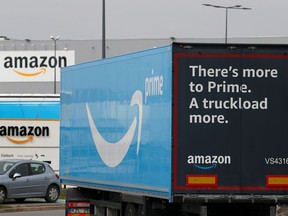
230,119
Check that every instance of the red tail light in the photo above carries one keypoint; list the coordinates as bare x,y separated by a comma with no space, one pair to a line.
57,176
79,204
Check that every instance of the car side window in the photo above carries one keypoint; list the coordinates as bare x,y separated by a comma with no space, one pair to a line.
5,166
21,169
37,168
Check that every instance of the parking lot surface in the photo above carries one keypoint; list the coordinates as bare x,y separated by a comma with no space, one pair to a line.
31,205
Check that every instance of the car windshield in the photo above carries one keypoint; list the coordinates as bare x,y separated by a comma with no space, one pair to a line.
5,166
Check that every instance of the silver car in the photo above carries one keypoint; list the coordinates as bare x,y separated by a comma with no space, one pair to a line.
21,179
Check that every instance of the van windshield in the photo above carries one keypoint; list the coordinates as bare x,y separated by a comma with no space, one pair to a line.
5,166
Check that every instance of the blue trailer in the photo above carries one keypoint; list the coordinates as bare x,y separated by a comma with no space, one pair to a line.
184,129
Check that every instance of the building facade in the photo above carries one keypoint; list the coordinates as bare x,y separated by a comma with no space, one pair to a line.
33,67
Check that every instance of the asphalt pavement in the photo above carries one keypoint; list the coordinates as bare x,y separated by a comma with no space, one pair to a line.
31,205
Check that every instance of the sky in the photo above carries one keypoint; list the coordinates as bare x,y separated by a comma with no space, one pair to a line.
141,19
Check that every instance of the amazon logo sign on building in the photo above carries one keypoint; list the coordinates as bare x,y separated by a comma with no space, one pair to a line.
29,132
23,66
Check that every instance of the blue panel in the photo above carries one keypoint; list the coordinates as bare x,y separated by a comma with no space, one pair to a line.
29,110
98,94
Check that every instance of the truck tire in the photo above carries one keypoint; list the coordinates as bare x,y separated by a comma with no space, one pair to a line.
131,210
140,211
3,195
52,194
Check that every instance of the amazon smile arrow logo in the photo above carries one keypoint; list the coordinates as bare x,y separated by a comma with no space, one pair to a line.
42,70
112,154
205,167
20,141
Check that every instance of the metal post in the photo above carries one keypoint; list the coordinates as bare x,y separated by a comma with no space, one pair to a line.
55,49
226,26
226,18
103,31
55,67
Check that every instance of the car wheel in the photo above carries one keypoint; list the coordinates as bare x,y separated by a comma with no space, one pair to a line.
2,195
52,194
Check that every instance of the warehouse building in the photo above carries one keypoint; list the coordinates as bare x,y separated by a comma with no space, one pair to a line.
33,66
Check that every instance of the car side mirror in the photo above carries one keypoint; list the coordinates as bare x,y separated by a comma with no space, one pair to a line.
16,175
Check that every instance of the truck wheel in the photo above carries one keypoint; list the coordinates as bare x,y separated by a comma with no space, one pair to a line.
52,194
140,211
130,210
2,195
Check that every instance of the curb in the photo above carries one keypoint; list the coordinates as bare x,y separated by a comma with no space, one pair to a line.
28,206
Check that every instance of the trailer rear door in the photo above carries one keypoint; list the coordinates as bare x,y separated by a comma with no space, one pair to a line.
230,119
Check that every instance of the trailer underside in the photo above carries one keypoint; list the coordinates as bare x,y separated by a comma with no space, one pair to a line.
107,203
